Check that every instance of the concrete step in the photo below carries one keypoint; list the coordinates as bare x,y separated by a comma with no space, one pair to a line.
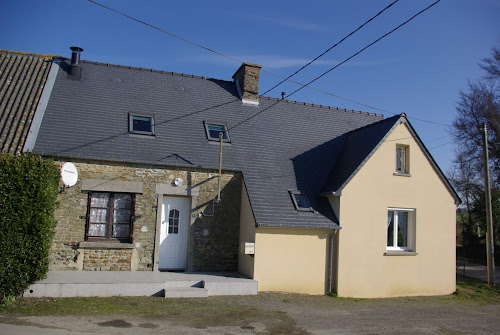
65,290
138,283
184,283
186,292
185,289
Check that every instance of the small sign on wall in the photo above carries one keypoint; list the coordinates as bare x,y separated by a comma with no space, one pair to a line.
248,248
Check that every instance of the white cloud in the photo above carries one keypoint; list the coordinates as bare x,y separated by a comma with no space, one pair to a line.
289,23
281,62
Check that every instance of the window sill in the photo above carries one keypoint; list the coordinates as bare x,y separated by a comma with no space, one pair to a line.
400,253
105,245
402,174
139,135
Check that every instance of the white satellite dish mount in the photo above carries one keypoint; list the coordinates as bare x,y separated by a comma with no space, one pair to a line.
69,174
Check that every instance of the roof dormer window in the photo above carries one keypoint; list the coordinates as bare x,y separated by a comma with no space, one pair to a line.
300,201
213,129
141,124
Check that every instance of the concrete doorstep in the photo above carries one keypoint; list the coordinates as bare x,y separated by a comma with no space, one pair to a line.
183,289
61,284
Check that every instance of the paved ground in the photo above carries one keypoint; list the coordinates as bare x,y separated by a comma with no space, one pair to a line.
285,314
476,271
290,314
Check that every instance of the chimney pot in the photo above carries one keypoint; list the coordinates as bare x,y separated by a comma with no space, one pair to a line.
75,71
247,82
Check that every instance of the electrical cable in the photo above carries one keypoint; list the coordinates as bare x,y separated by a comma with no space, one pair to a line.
343,62
330,48
263,70
442,145
166,32
366,47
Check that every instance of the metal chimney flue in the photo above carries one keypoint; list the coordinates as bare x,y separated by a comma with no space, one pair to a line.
75,71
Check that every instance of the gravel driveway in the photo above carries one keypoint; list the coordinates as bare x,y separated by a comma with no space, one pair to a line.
284,314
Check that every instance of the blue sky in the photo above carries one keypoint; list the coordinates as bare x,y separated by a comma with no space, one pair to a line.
419,69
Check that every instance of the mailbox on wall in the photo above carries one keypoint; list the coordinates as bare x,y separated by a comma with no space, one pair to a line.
248,248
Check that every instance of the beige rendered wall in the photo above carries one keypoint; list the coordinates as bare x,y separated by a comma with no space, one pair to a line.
291,260
363,268
247,234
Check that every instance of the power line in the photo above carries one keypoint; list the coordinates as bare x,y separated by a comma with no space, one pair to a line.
330,48
263,70
166,32
366,47
343,62
442,145
407,138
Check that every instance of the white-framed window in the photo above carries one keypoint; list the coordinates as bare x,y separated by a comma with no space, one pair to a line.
400,229
402,159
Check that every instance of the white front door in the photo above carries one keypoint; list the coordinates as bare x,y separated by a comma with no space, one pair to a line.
173,234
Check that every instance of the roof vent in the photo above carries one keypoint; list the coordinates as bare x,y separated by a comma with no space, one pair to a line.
75,71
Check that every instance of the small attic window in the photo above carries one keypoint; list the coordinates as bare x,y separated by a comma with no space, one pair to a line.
141,124
300,201
213,129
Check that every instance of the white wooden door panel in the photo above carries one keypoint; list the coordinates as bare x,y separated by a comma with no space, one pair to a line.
173,234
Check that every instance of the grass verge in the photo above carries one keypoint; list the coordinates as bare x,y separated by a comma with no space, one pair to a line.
476,291
217,310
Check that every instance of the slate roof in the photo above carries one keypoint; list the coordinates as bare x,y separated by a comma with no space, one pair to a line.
357,148
290,146
22,78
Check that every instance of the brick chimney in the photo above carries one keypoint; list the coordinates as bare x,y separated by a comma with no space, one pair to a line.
247,82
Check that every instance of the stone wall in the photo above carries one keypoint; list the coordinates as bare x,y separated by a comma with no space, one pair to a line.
107,260
214,245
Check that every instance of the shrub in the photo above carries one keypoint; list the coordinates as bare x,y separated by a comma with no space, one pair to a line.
28,192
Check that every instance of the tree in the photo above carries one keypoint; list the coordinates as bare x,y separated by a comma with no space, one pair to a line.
479,103
467,184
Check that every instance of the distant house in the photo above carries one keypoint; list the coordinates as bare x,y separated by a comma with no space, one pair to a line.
313,199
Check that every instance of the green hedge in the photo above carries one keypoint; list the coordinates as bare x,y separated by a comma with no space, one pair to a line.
28,192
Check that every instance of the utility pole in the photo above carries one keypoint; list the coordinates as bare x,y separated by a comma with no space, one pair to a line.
490,244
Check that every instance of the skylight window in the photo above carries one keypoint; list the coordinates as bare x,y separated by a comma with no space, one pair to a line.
141,124
300,201
213,129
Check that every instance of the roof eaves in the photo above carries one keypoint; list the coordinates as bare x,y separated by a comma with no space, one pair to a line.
299,226
436,167
34,128
49,57
401,120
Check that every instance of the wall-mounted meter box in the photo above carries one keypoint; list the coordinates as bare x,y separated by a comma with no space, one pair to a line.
248,248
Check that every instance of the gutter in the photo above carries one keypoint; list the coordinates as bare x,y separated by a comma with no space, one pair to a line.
333,226
330,264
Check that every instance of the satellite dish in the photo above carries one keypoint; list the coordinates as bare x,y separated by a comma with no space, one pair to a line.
178,182
69,174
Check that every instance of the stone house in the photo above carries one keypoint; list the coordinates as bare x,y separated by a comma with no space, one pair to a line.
304,198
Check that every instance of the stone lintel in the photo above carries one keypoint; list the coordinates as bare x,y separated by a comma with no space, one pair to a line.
111,186
185,190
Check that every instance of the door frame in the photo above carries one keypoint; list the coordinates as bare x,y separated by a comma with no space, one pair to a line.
169,190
